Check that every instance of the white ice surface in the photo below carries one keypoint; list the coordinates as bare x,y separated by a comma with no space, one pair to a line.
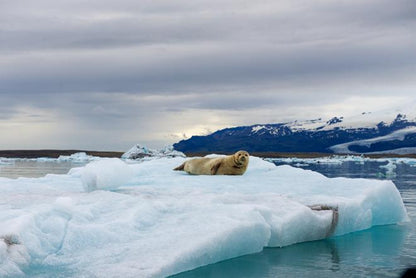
112,219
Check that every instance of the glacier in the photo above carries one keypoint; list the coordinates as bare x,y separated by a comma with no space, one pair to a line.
398,135
116,219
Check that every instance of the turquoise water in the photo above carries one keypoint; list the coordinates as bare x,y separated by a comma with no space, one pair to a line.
371,253
383,251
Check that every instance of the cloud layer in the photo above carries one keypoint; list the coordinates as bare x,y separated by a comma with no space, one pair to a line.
108,74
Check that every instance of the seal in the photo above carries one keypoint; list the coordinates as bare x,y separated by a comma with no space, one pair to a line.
235,164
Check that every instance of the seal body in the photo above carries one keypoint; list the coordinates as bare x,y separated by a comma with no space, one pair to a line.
235,164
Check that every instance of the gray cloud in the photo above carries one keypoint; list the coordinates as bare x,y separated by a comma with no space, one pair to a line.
103,24
178,70
110,65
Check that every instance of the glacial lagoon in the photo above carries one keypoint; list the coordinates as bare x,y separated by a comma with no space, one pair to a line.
381,251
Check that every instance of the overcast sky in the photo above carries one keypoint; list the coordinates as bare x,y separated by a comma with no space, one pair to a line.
107,74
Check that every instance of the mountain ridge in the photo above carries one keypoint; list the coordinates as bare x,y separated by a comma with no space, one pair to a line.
318,135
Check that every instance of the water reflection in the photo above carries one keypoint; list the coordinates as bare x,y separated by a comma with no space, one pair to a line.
367,253
35,169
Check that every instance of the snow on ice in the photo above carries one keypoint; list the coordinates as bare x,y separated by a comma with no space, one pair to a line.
115,219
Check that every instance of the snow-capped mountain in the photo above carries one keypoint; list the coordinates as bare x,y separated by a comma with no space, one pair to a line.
365,133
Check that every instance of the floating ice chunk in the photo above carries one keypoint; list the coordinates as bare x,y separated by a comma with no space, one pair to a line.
327,160
80,157
39,159
169,151
330,160
298,164
411,162
390,169
139,152
339,159
407,161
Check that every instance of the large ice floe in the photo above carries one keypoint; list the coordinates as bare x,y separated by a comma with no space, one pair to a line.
113,219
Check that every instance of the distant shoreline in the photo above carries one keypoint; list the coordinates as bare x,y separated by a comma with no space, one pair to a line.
57,153
54,153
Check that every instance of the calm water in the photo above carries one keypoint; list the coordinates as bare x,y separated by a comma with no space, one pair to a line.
34,169
383,251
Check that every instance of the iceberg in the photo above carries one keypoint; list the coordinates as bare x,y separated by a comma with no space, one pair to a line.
80,157
140,152
116,219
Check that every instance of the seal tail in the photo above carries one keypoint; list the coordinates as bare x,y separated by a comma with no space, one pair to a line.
180,167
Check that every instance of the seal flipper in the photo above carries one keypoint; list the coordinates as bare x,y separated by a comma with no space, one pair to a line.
180,167
215,167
